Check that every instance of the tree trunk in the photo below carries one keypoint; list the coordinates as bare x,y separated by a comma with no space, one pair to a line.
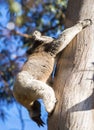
74,79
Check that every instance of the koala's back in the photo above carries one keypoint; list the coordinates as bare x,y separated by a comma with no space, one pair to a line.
39,65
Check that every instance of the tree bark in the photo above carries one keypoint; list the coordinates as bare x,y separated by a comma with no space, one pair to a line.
74,79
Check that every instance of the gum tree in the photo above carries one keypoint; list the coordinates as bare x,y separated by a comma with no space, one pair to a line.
74,79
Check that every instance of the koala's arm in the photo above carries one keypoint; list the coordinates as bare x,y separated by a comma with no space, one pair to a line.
67,35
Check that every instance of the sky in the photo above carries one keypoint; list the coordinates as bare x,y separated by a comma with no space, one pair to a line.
13,122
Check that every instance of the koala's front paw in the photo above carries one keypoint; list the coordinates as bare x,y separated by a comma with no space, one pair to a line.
85,22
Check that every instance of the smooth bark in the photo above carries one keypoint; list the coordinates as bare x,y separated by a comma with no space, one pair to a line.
74,79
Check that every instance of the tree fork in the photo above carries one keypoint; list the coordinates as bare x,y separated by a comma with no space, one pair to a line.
74,79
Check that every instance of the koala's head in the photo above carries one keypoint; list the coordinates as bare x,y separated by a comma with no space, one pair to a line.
35,113
38,40
36,35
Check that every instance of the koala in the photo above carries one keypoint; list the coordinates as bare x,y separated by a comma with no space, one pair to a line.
31,82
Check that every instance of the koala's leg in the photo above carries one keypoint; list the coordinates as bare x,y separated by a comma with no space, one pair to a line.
45,92
34,89
70,33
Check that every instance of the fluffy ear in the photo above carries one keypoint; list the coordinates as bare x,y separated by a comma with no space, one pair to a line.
35,113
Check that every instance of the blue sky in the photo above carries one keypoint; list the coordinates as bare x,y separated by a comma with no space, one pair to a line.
13,122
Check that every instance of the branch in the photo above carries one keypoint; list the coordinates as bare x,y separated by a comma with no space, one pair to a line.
21,34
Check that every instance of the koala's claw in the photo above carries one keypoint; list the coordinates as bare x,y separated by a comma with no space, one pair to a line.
39,121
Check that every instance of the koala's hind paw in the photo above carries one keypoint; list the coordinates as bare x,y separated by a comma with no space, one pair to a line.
38,120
